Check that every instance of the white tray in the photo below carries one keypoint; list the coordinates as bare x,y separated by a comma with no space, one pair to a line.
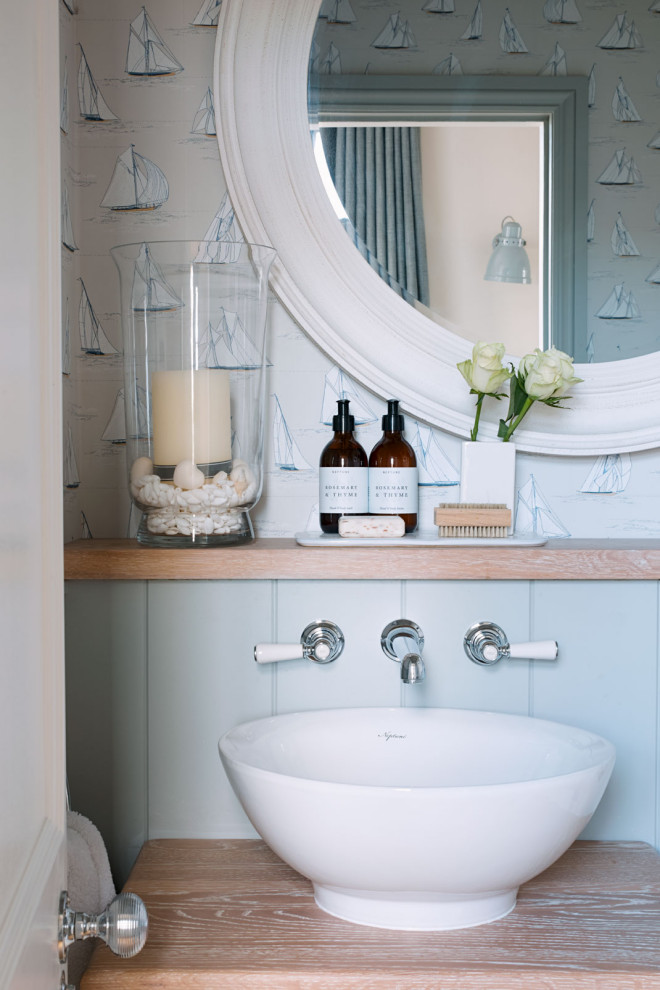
420,539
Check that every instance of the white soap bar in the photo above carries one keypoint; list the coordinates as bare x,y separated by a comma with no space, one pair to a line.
371,526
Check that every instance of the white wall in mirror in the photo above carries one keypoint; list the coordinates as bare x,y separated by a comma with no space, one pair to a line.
590,496
473,175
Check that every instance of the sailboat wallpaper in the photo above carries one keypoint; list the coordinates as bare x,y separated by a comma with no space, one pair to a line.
619,305
561,12
151,290
449,66
337,11
66,337
222,235
396,33
66,226
510,37
609,475
556,64
622,243
204,120
474,30
141,163
623,107
622,35
534,515
148,55
338,385
64,97
228,345
285,449
92,335
137,183
208,13
92,104
70,474
434,466
621,170
115,429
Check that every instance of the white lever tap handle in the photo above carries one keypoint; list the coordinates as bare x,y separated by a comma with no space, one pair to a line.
273,652
542,649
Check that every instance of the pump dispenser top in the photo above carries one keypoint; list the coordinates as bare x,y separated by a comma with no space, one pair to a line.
392,421
343,421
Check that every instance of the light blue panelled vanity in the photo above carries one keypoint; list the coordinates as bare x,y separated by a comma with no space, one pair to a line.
160,662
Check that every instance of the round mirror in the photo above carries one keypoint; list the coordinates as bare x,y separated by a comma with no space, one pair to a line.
260,80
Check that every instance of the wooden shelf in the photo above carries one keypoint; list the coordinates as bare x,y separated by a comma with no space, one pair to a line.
593,560
229,915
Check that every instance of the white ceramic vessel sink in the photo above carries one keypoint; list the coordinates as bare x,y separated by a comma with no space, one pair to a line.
416,818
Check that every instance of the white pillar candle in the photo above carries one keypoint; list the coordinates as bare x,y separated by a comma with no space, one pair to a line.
190,416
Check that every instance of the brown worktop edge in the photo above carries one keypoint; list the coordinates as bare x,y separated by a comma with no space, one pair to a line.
275,558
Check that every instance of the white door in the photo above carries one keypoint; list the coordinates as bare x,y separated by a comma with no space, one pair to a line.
32,803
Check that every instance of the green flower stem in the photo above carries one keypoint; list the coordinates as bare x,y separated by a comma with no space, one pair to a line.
516,421
475,428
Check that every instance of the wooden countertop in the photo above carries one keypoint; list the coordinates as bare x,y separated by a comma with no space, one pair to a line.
229,915
126,560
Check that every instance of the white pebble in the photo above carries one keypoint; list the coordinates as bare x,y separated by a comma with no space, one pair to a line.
242,476
219,500
187,475
185,521
155,524
140,467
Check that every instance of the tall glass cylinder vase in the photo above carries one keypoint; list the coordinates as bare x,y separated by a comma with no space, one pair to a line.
194,327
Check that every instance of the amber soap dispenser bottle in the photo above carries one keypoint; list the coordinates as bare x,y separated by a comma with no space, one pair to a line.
343,480
393,472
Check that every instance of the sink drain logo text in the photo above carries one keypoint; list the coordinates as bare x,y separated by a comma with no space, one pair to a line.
390,735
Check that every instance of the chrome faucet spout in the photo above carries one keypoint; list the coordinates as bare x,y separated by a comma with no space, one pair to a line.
412,669
403,641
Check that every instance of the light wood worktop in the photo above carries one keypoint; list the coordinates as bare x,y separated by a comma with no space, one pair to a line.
229,915
282,558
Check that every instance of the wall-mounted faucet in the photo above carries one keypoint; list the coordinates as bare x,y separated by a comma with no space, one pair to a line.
403,641
321,641
486,643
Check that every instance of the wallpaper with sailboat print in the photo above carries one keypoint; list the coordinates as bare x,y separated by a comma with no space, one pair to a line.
140,162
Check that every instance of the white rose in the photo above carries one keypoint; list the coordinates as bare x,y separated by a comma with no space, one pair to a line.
484,373
547,374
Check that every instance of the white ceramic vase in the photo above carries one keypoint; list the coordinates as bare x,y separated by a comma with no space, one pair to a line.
488,473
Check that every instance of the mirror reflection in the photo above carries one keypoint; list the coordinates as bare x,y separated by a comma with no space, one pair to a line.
409,39
423,205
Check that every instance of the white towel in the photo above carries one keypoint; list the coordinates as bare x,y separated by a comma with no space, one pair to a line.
90,883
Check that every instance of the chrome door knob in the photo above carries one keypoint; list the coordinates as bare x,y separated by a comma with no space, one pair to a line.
122,926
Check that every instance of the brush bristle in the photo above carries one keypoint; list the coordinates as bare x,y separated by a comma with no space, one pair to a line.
472,519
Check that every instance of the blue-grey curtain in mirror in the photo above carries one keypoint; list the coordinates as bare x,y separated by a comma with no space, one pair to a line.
378,177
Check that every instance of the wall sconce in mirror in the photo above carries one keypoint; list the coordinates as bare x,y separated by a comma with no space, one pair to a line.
509,261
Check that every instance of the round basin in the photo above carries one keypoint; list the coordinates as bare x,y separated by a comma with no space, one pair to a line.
416,818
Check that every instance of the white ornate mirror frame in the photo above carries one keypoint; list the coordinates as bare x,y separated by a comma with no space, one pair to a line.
260,87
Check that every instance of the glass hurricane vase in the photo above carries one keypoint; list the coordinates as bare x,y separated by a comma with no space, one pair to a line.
194,328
